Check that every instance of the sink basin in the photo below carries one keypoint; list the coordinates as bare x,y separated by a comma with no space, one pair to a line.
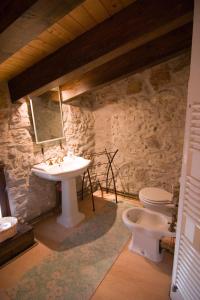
69,168
66,172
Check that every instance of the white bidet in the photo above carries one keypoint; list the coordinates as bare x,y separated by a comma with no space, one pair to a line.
147,229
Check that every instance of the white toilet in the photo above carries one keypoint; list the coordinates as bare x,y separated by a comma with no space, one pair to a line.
157,199
147,229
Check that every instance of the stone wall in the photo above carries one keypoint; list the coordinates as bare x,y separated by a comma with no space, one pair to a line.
79,128
30,196
143,116
79,125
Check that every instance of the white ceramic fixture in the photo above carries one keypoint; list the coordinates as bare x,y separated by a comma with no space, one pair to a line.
66,172
8,228
157,199
147,228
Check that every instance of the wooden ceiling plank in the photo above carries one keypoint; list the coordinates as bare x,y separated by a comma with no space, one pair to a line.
10,10
81,15
15,64
40,46
31,23
50,39
62,33
112,6
35,48
55,35
147,55
24,58
7,68
128,25
72,25
96,9
45,46
26,53
64,30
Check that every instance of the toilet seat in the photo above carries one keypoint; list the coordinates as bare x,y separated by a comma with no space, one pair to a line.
158,206
154,195
155,202
157,199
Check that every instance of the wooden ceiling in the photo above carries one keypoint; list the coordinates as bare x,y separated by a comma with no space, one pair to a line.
81,44
78,21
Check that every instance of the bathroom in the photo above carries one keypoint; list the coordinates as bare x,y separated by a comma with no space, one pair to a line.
142,115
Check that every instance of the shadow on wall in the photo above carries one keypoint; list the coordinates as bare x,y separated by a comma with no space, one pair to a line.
130,177
42,196
58,238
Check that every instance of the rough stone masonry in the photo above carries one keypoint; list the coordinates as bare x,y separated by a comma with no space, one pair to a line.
143,116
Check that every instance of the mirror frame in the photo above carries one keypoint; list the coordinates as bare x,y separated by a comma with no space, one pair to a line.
34,123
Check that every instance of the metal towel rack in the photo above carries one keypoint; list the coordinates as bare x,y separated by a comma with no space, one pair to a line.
95,177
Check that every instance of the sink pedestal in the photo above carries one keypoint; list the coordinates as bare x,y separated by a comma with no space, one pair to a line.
66,172
70,215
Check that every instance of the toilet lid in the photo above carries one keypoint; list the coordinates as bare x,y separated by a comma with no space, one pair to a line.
155,195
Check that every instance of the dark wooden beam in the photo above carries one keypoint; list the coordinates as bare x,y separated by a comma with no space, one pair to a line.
10,10
27,19
138,19
152,53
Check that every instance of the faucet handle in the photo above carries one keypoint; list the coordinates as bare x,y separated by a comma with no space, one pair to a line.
59,159
49,162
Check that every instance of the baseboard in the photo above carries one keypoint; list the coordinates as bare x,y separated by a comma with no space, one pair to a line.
121,193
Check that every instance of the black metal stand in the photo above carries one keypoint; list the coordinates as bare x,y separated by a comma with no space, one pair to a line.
91,173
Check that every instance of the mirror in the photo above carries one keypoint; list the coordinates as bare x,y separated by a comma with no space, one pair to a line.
46,112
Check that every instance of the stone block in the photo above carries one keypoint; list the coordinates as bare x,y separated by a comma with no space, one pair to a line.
134,85
160,75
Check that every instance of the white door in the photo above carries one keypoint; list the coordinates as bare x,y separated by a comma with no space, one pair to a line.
186,270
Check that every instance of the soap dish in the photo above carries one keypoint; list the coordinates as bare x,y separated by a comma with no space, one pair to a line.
8,228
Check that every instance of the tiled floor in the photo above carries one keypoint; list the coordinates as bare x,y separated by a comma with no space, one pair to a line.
131,277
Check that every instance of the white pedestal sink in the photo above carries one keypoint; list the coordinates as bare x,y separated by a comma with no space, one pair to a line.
66,172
